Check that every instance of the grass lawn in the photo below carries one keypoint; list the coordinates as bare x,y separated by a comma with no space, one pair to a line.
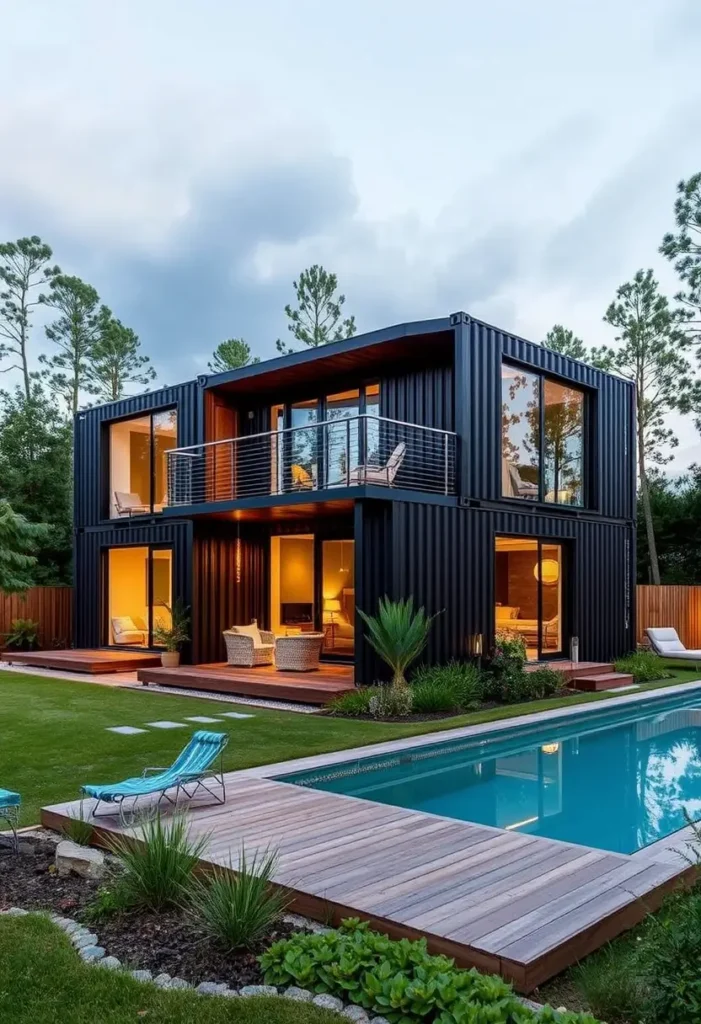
42,979
53,738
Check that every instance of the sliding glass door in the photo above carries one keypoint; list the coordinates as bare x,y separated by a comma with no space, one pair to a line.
138,583
528,588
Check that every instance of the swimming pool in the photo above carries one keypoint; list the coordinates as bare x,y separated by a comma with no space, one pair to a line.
615,778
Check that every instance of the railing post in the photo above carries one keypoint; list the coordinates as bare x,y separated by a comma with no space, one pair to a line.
348,423
446,461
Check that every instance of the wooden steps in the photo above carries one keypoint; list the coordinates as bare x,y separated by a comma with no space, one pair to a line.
94,662
602,681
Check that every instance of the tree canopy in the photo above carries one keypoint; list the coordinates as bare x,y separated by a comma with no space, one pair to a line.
318,318
231,354
18,542
564,341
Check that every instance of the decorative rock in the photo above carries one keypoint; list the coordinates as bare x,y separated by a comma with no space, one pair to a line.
379,1020
258,990
300,995
92,952
141,975
178,983
82,939
211,988
530,1005
16,912
162,980
356,1013
111,963
230,993
328,1002
81,860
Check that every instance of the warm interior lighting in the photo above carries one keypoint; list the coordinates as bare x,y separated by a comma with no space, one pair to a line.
548,570
331,605
238,559
550,748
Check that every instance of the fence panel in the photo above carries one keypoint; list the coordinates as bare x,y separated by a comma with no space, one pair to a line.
678,607
51,607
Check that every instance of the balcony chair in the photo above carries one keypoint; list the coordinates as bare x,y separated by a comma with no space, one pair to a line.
666,643
249,646
192,767
126,632
129,504
383,475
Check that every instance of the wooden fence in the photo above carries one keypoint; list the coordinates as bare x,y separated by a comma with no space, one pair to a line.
51,607
679,607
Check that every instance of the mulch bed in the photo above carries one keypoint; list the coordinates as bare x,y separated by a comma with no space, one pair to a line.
170,942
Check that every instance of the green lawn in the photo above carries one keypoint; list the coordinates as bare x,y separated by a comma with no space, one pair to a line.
43,980
53,738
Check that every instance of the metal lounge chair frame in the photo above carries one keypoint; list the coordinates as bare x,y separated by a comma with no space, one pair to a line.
10,804
186,771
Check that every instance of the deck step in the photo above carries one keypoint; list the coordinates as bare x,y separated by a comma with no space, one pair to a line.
602,681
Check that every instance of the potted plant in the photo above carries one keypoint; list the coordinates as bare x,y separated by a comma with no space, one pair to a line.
172,636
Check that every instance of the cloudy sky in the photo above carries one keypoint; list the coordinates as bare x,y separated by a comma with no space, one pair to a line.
514,160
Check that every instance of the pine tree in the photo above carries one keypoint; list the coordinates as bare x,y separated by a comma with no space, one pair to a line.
231,354
684,248
318,318
74,332
564,341
18,541
115,360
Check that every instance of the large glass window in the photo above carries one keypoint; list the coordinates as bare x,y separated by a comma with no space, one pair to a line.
528,593
542,438
342,439
138,463
338,594
139,594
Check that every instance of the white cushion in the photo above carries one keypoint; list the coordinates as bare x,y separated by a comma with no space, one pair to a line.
507,611
251,631
665,640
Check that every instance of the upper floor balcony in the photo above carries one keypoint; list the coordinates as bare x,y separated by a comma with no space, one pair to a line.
345,452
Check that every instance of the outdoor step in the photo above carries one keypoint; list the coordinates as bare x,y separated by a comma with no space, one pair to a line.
602,681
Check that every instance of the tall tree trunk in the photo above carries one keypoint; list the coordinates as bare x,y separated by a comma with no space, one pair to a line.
647,510
23,346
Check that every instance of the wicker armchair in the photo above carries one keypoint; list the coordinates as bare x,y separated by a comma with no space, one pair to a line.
242,649
298,653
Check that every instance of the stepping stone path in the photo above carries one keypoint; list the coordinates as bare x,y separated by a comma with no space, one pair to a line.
202,718
167,725
124,730
130,730
235,714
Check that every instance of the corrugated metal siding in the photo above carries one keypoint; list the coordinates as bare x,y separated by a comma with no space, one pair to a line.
444,557
479,389
424,396
90,614
374,558
226,593
89,444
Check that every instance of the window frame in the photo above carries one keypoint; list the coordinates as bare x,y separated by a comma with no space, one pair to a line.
105,615
107,451
588,439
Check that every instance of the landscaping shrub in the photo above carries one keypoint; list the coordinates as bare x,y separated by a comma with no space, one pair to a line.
23,635
670,957
390,702
507,681
109,900
433,697
463,679
543,682
644,666
611,984
355,702
398,634
237,909
157,871
400,981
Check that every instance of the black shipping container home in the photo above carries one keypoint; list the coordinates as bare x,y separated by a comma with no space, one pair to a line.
489,477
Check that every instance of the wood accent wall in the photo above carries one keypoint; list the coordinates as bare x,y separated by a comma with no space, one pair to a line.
678,607
51,607
221,422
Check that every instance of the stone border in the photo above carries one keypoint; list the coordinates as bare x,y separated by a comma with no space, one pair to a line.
86,945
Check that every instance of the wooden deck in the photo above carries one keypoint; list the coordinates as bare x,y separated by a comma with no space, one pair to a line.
317,687
503,901
91,661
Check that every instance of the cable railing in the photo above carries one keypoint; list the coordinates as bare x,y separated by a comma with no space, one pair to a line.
354,451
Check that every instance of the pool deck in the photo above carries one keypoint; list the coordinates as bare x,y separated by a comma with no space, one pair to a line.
522,906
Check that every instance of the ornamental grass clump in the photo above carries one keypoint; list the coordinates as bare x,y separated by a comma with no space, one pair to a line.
399,634
158,868
239,906
643,666
456,686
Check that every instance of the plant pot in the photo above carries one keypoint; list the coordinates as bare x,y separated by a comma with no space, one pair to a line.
170,659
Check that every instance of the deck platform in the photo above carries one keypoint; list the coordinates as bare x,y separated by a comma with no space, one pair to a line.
93,662
506,902
317,687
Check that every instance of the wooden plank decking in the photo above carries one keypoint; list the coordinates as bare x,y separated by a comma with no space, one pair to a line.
505,902
317,687
91,661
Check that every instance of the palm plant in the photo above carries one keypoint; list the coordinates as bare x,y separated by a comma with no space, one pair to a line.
398,634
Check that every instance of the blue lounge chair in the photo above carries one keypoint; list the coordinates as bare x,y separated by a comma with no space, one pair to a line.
192,767
9,810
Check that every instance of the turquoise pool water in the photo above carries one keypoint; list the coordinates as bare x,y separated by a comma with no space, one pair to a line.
614,778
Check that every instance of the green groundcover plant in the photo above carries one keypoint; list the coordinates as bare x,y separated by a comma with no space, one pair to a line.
399,980
644,666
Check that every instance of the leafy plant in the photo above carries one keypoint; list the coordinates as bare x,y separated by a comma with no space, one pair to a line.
670,955
398,634
463,678
543,682
239,906
433,696
354,702
178,633
23,635
399,980
108,901
157,869
390,702
644,666
611,983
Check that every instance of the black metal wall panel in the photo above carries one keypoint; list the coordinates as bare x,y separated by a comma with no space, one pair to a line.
231,583
479,351
90,614
424,396
89,445
374,558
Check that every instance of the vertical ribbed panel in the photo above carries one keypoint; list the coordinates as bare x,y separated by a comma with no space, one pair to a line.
374,558
91,483
90,614
423,396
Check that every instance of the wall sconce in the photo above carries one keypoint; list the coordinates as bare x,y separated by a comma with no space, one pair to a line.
476,645
547,569
237,560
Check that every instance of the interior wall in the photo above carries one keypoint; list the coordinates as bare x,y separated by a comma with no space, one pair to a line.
297,570
127,595
338,576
